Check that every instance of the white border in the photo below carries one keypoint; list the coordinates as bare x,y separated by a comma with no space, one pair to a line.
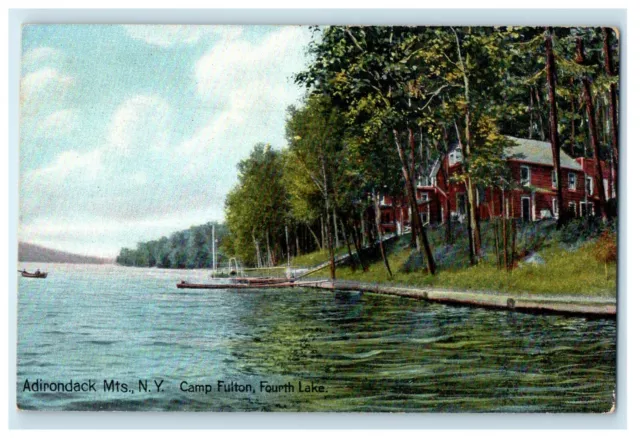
93,420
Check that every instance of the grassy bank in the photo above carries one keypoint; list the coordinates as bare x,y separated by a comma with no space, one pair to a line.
567,264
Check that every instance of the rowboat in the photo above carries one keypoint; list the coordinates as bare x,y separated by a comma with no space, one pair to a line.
36,274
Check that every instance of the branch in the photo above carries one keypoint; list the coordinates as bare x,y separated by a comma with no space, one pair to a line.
348,32
314,179
434,94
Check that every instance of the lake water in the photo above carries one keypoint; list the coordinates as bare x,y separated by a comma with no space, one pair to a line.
369,353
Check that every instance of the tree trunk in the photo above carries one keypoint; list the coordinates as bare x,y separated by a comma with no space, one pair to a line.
530,112
445,173
363,230
378,216
593,133
286,236
542,137
335,228
472,211
315,237
257,245
322,233
613,96
297,242
346,240
422,234
553,122
358,246
327,208
573,120
269,256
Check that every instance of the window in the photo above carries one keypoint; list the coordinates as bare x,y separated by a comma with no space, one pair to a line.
525,175
455,156
424,196
572,208
554,179
424,217
461,203
590,186
587,209
525,208
481,195
554,206
573,182
605,181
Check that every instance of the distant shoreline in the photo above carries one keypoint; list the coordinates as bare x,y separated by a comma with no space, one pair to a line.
31,253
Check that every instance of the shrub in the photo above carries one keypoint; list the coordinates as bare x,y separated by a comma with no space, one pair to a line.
606,249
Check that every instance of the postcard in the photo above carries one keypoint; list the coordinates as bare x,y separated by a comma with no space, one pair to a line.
318,218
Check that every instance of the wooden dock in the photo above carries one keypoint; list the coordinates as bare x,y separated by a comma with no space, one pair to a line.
567,305
254,284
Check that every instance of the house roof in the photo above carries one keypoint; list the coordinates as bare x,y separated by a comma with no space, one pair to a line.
539,152
435,168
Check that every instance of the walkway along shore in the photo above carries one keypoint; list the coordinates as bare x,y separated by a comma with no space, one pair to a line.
598,307
562,304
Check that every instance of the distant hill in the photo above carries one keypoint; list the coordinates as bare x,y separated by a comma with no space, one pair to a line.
28,252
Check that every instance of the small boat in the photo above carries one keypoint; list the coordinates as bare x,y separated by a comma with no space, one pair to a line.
36,274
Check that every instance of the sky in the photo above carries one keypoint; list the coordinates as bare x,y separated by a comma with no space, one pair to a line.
129,133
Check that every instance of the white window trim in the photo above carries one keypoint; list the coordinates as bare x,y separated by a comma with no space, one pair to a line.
575,181
605,182
526,183
554,179
522,198
590,185
588,209
554,207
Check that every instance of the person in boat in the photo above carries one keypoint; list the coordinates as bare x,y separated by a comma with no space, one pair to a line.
37,271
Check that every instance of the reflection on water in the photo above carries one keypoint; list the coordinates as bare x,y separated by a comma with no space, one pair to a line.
370,353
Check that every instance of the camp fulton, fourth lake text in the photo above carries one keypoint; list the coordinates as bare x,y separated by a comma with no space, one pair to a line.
263,387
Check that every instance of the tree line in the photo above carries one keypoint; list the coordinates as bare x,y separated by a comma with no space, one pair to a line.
186,249
383,102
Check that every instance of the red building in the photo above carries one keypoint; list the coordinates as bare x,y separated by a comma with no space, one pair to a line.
530,195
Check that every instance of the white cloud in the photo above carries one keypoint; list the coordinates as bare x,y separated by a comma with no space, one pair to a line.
42,86
252,85
58,123
234,64
88,164
140,122
165,35
40,54
143,180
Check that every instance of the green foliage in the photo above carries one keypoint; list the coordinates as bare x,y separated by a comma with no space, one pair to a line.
427,87
187,249
565,271
257,209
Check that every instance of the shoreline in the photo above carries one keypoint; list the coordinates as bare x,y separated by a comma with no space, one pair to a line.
557,304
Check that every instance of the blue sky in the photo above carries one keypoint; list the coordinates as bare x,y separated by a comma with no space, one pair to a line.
128,133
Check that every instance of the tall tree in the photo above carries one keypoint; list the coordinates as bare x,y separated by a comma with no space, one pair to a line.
553,121
593,132
316,139
613,94
367,70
